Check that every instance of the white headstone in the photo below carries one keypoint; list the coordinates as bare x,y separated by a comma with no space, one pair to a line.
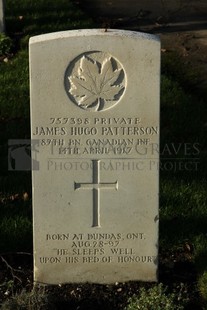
1,15
95,115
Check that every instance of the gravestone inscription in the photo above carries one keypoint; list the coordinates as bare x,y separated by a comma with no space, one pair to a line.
95,113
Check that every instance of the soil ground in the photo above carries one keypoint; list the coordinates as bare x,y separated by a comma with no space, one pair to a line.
191,46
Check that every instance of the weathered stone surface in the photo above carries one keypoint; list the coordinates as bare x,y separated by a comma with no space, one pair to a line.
1,16
95,113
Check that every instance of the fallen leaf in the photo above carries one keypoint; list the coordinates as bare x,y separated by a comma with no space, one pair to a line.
25,196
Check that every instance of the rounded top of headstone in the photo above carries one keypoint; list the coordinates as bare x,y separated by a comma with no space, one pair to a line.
93,32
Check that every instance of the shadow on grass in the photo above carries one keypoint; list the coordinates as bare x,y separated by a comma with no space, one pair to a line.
182,228
15,225
183,209
36,17
15,192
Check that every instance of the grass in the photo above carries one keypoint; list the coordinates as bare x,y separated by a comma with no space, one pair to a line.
22,21
34,300
14,81
46,16
158,298
183,202
182,103
16,226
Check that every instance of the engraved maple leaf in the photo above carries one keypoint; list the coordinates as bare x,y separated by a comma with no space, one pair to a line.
95,83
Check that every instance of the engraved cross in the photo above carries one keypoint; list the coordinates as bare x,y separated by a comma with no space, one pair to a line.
96,186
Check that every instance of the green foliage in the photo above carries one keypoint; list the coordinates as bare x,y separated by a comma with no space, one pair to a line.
157,298
172,92
7,286
35,300
200,242
202,287
183,209
5,44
